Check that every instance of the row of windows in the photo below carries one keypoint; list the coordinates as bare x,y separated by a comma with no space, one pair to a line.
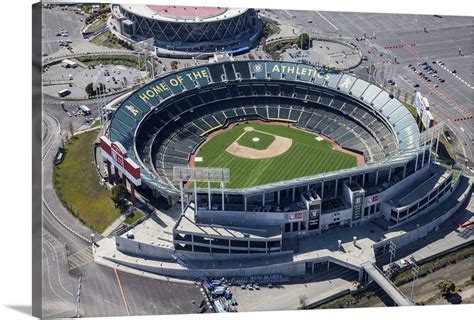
228,242
424,203
373,209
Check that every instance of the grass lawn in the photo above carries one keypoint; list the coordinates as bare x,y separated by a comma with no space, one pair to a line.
96,123
134,217
77,185
96,24
105,39
126,60
269,29
306,156
264,140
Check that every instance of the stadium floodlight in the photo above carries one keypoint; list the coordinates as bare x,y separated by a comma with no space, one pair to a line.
185,173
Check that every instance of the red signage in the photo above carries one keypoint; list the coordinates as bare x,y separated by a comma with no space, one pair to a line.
373,199
117,155
295,216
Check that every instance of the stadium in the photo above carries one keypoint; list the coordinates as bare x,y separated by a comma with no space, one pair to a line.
260,153
188,30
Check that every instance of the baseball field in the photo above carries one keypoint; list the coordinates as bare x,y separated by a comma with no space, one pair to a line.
258,153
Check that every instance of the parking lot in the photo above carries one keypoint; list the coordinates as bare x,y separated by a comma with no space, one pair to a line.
114,77
53,21
324,53
287,296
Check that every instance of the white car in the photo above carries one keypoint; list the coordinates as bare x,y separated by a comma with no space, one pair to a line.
404,262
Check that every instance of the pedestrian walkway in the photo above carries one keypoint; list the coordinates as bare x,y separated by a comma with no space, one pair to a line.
393,292
80,258
114,226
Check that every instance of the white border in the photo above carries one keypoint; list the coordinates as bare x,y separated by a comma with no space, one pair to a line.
15,273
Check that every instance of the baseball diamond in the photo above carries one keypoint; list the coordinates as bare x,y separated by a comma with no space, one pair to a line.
255,139
304,155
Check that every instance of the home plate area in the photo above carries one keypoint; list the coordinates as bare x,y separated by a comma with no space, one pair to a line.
255,144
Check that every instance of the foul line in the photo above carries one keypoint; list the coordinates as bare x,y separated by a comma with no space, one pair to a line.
121,292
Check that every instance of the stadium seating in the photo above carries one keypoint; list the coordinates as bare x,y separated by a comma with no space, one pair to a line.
170,133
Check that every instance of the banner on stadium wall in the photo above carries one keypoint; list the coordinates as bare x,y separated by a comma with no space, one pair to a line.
297,216
418,104
357,206
373,199
427,119
117,155
422,106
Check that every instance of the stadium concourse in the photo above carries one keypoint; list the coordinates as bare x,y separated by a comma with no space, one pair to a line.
165,123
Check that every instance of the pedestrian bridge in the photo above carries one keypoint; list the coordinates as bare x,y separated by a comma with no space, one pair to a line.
392,291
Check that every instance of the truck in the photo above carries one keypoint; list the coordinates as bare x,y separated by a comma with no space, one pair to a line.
68,64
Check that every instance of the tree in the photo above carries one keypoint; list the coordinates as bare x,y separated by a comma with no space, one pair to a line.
446,287
304,41
90,89
174,65
119,193
302,301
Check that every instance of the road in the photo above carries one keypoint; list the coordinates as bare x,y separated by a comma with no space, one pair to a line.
104,292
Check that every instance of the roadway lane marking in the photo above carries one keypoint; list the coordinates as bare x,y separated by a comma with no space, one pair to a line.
325,19
457,77
121,292
56,259
80,258
444,96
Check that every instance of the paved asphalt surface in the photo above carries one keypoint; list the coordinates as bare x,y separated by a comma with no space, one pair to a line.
403,36
54,20
105,292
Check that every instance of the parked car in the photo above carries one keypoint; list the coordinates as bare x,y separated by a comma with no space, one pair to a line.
404,262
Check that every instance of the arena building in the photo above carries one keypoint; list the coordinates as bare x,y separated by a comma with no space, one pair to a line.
194,30
370,162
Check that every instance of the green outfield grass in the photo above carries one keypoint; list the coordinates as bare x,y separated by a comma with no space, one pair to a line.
306,156
264,140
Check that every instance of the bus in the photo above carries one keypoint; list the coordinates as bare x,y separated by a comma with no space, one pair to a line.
64,92
84,109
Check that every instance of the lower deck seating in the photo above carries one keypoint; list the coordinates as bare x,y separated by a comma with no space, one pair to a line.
168,135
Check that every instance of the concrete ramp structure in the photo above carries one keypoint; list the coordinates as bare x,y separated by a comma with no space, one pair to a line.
393,292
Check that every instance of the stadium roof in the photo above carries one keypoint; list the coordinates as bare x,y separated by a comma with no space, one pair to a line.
189,14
